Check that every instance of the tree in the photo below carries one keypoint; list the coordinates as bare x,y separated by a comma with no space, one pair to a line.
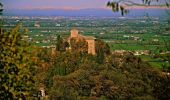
102,50
16,65
79,45
61,45
1,8
122,5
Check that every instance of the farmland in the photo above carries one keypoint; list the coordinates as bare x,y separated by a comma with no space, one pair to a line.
131,34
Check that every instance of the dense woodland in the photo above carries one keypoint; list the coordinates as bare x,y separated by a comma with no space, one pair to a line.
75,74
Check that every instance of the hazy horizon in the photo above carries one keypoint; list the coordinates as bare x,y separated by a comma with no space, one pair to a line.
98,12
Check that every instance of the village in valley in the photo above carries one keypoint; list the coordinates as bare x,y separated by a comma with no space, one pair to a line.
141,36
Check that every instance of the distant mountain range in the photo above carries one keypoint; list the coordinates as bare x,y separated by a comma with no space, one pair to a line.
88,12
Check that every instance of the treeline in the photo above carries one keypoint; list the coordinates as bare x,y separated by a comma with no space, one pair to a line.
71,74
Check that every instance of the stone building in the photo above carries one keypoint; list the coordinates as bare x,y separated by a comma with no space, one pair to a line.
89,39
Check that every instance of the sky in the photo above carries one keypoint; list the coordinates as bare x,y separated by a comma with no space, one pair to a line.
55,4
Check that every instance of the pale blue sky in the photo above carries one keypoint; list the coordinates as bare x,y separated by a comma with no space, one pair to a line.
55,4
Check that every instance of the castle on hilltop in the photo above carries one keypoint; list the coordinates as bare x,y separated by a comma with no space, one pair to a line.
89,39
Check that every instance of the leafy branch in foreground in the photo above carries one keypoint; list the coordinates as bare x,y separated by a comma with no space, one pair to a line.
1,7
123,5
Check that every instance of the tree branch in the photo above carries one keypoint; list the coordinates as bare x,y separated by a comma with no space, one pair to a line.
122,5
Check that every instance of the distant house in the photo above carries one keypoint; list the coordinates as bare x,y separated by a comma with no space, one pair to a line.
37,24
136,52
141,52
119,52
89,39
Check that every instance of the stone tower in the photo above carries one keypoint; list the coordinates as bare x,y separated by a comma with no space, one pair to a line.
74,33
91,46
89,39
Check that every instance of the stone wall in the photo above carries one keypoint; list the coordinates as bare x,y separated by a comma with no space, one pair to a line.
91,47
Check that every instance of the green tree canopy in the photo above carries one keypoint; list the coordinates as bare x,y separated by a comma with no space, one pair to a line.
16,65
